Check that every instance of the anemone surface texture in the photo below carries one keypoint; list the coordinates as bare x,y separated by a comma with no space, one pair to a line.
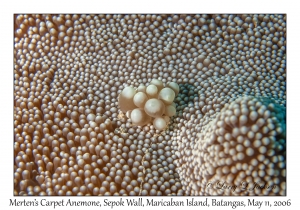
72,138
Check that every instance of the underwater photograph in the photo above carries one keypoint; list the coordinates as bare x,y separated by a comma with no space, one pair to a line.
149,104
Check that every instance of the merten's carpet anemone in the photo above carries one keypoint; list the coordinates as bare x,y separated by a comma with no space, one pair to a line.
149,104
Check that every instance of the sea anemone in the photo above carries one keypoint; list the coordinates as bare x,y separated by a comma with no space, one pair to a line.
77,77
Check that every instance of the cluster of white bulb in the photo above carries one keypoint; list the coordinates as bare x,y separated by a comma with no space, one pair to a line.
153,103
